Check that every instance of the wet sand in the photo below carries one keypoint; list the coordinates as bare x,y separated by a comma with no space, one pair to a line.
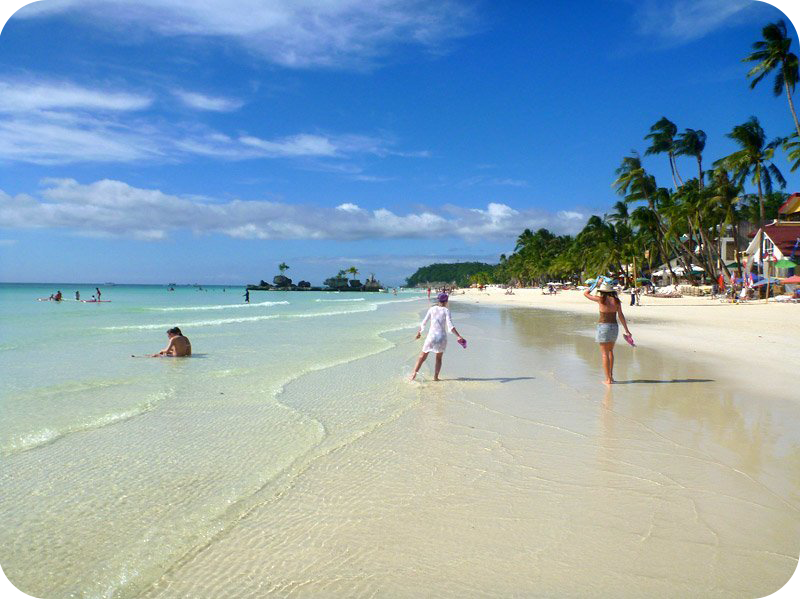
749,342
520,475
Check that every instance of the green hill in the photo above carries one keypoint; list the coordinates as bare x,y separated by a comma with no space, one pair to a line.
447,273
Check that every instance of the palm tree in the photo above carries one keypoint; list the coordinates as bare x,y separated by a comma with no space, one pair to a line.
635,184
283,267
692,143
773,53
754,159
725,195
662,134
353,271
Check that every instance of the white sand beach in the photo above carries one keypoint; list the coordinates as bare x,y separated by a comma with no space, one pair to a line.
753,341
520,475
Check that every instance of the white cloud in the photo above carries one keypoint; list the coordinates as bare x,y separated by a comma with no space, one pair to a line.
511,182
59,123
572,215
25,96
53,139
299,145
204,102
349,207
116,209
682,21
486,180
292,33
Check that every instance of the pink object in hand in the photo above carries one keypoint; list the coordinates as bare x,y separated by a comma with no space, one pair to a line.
628,338
463,342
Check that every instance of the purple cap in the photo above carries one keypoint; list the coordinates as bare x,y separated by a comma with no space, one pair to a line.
442,297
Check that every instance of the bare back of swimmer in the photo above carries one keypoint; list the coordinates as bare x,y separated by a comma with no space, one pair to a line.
179,344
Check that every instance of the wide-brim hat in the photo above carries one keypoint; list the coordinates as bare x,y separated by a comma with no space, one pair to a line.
605,286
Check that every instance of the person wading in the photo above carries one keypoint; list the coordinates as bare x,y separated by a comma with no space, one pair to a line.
607,327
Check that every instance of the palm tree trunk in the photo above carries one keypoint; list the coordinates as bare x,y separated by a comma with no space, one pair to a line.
700,170
791,104
762,218
672,170
675,168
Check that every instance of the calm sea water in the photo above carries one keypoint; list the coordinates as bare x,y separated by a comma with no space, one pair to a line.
112,465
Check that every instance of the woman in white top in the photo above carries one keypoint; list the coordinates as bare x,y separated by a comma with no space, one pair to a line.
441,323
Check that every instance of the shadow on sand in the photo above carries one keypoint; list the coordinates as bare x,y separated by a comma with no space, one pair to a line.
665,381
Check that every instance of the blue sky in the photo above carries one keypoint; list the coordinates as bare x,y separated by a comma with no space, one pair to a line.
174,140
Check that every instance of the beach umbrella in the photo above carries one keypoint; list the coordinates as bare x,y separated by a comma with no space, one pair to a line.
785,264
771,280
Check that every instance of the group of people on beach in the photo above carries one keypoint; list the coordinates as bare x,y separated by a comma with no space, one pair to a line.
441,322
608,302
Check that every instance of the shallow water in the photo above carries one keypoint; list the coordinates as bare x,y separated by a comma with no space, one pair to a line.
114,466
277,466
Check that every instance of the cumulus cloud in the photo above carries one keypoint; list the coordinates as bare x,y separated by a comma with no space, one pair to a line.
292,33
204,102
116,209
683,21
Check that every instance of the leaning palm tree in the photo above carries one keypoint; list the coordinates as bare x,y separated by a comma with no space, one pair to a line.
662,136
754,159
692,143
773,53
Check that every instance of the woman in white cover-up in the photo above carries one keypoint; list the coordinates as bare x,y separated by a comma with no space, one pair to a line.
441,323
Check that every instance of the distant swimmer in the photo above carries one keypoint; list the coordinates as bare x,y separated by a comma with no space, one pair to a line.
58,296
77,295
247,296
179,344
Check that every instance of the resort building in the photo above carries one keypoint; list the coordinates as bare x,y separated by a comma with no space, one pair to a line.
781,239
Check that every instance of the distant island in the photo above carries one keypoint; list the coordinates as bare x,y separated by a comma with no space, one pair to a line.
337,283
447,273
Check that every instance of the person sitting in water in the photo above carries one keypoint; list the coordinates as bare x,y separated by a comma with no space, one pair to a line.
179,344
58,296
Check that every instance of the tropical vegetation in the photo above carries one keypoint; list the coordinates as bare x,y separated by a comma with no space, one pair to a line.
681,225
447,273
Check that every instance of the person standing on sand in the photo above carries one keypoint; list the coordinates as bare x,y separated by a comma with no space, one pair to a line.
441,323
607,328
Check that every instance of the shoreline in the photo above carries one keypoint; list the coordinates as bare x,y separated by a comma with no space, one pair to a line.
520,476
745,341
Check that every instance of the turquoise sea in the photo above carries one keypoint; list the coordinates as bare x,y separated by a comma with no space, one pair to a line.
291,457
118,464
